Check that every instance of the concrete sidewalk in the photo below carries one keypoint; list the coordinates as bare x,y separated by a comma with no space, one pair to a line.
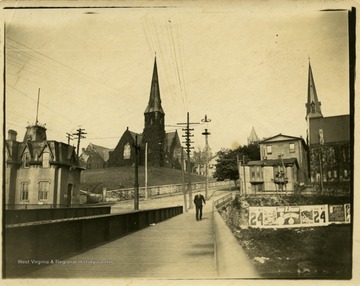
179,248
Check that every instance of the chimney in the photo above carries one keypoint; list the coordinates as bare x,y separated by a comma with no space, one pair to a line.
12,135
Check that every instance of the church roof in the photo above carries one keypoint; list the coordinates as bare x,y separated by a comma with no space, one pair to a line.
170,137
102,151
139,136
313,104
154,104
334,129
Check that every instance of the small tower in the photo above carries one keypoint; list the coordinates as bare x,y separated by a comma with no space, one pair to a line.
35,132
154,126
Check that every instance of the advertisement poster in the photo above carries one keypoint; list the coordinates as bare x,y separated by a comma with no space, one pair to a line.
337,213
299,216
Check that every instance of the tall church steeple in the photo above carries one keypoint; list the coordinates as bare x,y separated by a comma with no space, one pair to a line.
154,127
313,105
154,104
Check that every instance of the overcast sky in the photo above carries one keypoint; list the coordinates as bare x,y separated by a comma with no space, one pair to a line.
243,64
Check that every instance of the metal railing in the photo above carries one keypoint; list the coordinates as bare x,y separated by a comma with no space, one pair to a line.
223,200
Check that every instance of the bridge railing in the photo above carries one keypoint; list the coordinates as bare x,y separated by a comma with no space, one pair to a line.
16,216
48,241
221,201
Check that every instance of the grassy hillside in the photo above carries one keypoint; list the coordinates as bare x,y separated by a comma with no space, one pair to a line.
124,177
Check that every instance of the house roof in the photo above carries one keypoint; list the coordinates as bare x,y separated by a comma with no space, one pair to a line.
281,137
334,129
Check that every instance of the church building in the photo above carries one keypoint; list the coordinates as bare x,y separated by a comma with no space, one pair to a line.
328,139
160,148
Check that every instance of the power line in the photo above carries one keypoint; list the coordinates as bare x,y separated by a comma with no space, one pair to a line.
74,70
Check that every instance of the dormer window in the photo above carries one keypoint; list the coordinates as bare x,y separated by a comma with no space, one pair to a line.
26,160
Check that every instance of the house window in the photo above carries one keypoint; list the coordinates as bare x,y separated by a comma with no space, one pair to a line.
329,174
256,172
43,191
253,172
268,149
26,160
335,174
127,151
46,160
24,191
292,147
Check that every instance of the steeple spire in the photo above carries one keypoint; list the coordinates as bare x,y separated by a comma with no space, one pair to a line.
313,105
154,104
253,138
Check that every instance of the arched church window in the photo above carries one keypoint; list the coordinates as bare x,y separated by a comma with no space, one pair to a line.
127,151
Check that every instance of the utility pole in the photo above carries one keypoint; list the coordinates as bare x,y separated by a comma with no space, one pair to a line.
80,136
69,137
136,183
183,178
146,178
244,191
188,148
321,172
206,133
239,167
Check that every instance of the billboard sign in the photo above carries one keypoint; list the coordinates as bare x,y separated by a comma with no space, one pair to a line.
298,216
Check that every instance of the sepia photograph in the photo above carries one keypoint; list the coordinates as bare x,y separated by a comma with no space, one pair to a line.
165,142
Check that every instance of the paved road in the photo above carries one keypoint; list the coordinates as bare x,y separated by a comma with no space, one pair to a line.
179,248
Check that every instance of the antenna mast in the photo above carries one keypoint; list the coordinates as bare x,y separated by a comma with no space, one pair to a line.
37,108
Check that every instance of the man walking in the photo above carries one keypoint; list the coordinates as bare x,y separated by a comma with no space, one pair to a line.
198,201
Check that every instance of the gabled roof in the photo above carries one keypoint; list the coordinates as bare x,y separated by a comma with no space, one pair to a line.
102,151
281,137
154,104
139,136
170,136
